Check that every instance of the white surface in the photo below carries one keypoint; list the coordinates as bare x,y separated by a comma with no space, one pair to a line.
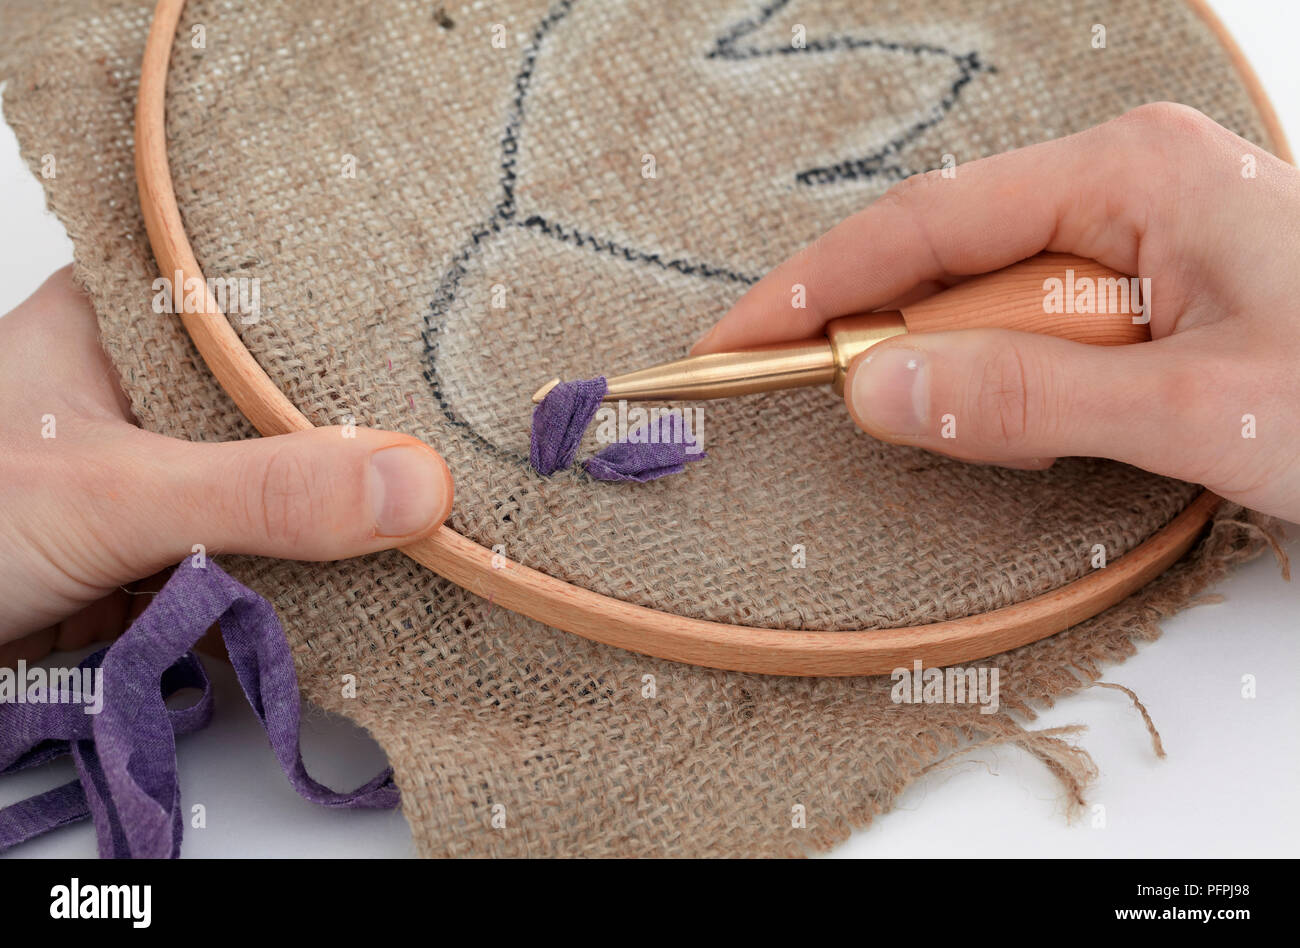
1227,787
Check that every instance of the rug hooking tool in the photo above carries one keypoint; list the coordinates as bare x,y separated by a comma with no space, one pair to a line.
1053,294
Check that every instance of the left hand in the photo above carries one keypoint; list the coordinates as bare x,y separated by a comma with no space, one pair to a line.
89,502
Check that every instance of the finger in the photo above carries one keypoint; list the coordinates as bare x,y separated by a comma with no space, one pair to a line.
1024,399
103,619
1089,194
323,494
29,648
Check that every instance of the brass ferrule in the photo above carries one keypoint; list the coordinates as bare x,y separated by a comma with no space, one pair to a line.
850,336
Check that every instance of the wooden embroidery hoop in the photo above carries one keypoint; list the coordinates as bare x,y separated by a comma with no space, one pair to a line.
602,618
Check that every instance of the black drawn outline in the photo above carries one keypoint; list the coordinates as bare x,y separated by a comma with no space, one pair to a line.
726,46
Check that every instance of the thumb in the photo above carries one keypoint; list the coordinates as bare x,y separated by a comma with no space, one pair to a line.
1022,399
322,494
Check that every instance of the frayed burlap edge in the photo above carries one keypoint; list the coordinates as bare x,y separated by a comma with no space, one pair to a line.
1234,536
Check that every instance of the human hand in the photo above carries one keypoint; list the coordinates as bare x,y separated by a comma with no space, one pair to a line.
1161,192
103,503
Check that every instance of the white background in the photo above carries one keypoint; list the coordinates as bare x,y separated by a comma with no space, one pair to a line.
1227,787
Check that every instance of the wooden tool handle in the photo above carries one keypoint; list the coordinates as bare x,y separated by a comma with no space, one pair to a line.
1053,293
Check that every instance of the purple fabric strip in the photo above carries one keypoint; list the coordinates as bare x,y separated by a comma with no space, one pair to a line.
660,448
126,755
562,418
33,734
560,421
36,816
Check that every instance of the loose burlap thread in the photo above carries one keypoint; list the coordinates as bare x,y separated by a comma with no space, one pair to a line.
501,227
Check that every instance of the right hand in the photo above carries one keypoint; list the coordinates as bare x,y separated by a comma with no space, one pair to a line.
1159,192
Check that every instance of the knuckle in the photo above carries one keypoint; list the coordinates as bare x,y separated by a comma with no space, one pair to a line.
1170,123
907,201
1169,144
281,496
903,194
1004,401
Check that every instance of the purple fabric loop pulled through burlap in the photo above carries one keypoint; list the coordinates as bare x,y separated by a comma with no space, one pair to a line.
649,453
126,755
656,450
560,421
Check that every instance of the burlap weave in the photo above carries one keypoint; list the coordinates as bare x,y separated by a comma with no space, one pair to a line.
500,228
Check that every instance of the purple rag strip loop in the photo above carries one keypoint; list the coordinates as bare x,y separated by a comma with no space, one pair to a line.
126,755
560,421
562,418
661,448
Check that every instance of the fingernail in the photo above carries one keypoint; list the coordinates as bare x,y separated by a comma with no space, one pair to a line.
890,392
408,489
